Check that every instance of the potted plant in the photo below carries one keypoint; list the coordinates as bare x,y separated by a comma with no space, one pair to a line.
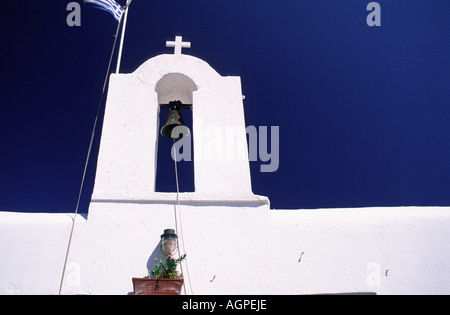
166,279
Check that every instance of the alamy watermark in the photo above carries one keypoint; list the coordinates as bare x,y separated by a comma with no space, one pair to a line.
374,274
226,144
374,17
73,278
74,17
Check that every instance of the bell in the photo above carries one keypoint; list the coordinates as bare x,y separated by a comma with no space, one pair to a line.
175,119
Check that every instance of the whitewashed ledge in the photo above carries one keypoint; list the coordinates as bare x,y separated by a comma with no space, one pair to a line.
185,198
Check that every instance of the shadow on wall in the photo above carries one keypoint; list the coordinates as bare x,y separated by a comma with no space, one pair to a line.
156,254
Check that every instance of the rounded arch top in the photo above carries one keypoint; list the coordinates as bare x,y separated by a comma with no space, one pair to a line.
188,72
175,87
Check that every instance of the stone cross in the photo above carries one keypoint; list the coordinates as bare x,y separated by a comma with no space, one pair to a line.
178,44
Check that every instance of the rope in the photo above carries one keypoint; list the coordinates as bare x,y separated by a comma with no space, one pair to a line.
87,160
179,211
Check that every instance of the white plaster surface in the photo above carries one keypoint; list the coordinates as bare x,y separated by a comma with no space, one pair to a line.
232,249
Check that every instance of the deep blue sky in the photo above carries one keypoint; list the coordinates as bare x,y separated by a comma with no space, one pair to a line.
364,113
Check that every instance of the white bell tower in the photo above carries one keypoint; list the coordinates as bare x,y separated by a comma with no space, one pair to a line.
126,168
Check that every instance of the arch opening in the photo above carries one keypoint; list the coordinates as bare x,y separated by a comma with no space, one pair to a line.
175,87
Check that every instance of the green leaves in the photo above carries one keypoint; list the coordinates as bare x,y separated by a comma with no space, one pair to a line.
169,269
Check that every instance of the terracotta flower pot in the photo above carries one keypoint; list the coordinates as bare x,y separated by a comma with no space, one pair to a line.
144,286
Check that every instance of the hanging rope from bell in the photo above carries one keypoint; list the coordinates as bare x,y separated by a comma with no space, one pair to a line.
175,129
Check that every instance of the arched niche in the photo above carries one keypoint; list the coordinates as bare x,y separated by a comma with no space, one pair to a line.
175,87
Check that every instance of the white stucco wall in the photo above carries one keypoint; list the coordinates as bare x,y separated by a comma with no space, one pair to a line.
232,249
382,250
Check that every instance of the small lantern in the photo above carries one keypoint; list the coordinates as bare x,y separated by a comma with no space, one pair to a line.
169,242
